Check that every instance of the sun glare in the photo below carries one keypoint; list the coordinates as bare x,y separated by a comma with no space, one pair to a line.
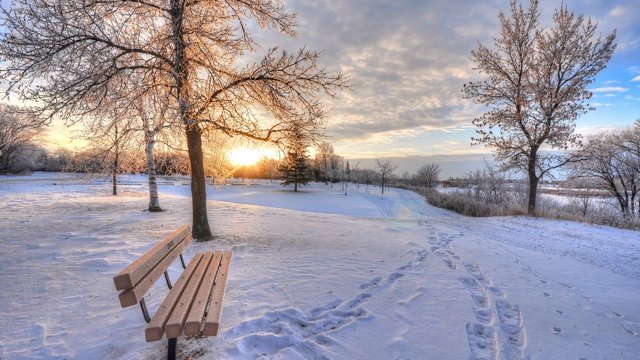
245,156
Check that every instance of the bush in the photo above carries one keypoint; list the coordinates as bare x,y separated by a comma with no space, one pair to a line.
459,202
472,202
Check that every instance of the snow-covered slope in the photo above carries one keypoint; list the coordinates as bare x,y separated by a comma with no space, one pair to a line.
316,274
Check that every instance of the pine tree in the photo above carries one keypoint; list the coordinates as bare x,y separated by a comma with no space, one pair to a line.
294,168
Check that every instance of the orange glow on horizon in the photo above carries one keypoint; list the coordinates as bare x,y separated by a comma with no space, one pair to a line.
246,156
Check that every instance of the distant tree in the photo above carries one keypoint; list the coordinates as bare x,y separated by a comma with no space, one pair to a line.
152,116
385,171
347,172
294,167
58,160
70,55
584,195
336,164
614,161
18,128
427,175
630,143
268,167
324,152
491,183
536,82
110,138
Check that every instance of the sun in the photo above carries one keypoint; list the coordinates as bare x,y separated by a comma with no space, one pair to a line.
245,156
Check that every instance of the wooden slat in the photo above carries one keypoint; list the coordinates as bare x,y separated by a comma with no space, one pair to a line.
214,309
133,273
175,324
132,296
196,314
155,329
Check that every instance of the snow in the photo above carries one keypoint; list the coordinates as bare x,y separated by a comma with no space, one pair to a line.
315,274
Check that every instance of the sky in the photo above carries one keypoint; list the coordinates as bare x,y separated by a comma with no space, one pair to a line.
407,61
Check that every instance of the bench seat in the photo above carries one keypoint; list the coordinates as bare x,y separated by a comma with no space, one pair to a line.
194,304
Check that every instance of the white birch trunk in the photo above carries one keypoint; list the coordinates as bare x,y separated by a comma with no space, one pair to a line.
154,199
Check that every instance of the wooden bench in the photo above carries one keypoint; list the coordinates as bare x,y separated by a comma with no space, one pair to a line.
194,303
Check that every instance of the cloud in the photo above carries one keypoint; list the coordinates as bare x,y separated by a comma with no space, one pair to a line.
408,60
609,89
637,78
617,11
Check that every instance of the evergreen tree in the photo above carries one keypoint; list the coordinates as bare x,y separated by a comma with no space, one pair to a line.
294,167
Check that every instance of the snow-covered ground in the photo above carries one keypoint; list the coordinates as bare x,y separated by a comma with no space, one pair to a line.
315,274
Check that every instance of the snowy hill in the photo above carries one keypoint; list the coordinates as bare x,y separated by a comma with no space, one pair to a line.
315,274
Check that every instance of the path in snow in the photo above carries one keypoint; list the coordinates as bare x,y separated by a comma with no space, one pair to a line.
499,329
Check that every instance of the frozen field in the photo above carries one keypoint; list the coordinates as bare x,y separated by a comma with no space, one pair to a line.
315,274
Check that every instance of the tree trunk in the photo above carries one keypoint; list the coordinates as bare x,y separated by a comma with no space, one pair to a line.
200,229
154,199
4,156
114,173
533,188
382,185
326,181
114,179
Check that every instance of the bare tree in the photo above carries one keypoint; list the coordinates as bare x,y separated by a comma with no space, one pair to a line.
111,138
427,175
607,158
324,152
216,160
583,198
336,163
537,85
17,128
70,55
155,119
385,171
630,143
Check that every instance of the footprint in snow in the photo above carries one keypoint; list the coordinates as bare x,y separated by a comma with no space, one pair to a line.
482,341
631,327
474,270
511,326
306,334
446,259
371,283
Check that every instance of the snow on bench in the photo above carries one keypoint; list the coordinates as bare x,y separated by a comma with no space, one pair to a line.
194,303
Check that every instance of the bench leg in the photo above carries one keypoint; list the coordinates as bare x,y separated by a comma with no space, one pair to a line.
166,277
182,261
171,351
145,313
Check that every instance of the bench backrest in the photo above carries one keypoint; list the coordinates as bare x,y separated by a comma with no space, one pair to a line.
136,279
